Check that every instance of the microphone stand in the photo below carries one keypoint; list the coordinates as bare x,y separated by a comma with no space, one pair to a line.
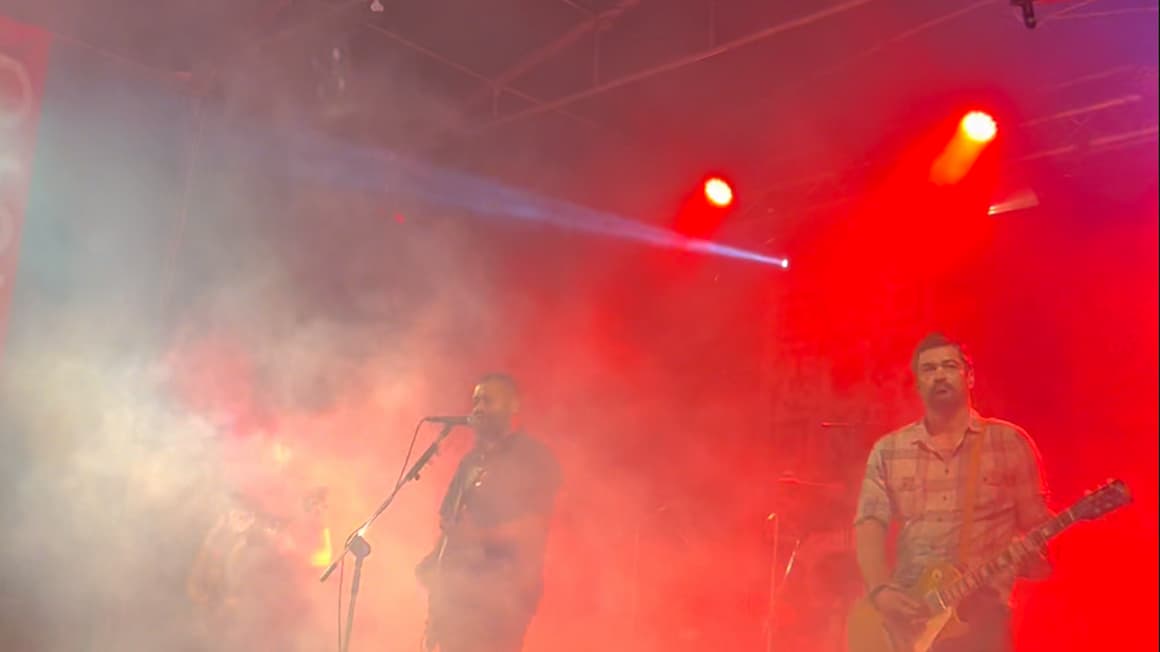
357,546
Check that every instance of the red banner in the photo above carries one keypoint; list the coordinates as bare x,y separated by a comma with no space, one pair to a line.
23,59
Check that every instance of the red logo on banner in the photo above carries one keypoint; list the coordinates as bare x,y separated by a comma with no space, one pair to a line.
23,52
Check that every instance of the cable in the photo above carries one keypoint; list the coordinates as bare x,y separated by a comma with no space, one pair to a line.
410,450
341,571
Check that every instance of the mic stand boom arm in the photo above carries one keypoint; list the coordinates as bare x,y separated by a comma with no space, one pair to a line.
357,546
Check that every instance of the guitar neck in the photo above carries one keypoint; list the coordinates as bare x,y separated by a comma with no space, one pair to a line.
1010,557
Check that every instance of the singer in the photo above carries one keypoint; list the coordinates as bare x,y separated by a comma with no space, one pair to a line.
484,576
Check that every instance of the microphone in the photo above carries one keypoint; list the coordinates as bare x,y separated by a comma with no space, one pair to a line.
450,421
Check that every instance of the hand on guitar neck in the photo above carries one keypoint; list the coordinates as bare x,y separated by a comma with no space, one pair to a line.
1034,566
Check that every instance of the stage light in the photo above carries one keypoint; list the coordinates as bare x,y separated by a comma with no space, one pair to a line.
1021,200
718,192
979,127
975,133
1025,9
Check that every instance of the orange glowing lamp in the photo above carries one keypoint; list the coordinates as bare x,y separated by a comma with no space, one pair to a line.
718,192
979,127
976,131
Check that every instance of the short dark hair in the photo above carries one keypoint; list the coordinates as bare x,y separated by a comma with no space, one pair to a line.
937,341
501,378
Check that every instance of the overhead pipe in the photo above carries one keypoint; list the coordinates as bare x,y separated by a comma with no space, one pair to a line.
681,62
465,70
592,24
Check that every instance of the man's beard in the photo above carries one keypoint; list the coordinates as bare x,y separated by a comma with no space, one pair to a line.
945,401
490,428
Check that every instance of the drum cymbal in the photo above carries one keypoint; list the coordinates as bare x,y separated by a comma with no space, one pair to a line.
794,481
807,506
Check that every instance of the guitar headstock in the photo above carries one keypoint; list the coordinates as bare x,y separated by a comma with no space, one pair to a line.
1110,496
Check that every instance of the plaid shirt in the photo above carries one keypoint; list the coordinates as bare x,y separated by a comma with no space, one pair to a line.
909,481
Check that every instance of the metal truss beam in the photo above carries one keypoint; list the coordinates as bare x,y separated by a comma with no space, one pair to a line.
680,62
1120,122
591,25
494,86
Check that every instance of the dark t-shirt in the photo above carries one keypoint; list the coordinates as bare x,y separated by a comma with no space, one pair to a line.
518,478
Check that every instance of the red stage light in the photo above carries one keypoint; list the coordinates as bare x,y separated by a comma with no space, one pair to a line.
718,192
979,127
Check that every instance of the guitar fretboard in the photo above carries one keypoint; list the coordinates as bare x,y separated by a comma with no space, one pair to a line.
1010,557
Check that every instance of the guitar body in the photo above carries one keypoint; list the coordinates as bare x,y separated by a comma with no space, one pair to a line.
867,630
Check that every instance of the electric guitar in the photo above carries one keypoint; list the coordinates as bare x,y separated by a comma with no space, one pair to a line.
430,568
941,588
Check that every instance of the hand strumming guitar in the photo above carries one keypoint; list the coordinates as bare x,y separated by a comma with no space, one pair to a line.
895,604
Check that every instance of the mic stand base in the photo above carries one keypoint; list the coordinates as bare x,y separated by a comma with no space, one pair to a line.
361,550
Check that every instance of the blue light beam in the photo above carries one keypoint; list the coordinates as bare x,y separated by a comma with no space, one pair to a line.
383,171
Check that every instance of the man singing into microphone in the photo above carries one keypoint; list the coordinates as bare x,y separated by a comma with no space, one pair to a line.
484,577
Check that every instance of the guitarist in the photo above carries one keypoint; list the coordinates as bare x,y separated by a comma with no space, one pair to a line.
921,475
484,576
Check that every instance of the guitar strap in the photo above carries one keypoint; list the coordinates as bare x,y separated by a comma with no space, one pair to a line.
974,465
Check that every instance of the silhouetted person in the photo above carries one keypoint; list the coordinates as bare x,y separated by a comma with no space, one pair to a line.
251,581
484,577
